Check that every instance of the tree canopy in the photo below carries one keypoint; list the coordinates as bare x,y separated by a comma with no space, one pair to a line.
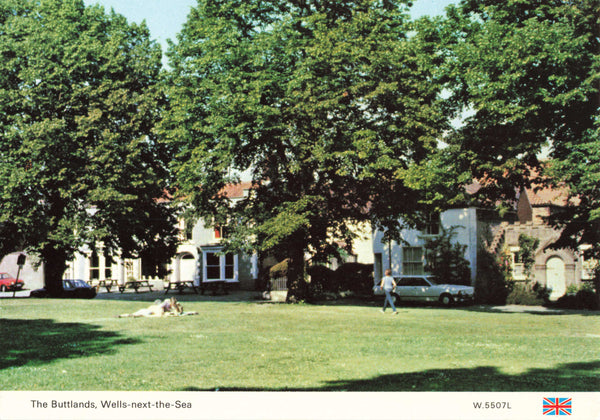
528,73
326,105
79,162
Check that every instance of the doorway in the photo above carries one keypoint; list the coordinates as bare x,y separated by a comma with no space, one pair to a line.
555,277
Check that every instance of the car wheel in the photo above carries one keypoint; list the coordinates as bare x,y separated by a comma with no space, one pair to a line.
446,299
3,288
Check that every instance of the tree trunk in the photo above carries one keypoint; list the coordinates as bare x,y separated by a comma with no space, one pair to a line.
55,264
296,282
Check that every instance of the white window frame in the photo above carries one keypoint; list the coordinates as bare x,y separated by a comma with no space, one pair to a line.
518,269
222,265
417,266
587,265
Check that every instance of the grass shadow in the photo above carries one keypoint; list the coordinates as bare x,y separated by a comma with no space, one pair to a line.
572,377
40,341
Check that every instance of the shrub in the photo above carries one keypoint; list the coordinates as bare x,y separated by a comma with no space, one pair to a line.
584,298
522,294
492,285
321,281
279,270
354,277
446,260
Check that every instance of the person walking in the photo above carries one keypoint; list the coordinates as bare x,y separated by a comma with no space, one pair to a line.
387,285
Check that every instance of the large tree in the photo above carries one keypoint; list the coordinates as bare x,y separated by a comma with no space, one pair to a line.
325,105
528,74
79,163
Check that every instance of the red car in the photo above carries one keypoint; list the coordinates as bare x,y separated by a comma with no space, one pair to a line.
8,282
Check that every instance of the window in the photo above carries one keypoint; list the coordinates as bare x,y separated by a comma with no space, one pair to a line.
588,265
412,260
433,224
213,266
94,266
221,232
108,262
229,266
218,266
518,268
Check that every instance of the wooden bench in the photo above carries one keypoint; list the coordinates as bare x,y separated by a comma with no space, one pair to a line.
136,284
217,287
181,285
106,283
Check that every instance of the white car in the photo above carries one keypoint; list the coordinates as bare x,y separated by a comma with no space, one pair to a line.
425,288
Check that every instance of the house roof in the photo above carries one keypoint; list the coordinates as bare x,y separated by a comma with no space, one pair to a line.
545,196
236,190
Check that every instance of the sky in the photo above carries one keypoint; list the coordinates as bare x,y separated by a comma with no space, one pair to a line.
165,18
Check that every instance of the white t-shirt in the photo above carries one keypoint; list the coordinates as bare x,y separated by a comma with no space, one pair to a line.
388,283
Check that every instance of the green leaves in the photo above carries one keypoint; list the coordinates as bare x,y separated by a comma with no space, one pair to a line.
528,72
320,102
79,98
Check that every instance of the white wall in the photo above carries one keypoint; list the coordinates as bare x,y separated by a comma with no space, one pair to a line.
466,233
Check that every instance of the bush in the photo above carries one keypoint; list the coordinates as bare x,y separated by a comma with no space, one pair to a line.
446,260
321,281
585,298
354,277
491,285
279,269
522,294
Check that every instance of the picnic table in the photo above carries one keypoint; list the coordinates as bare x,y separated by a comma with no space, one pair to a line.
181,285
106,283
136,284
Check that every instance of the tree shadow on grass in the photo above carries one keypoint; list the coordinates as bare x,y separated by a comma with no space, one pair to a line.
572,377
39,341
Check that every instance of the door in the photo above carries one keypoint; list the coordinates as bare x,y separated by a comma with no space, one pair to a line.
555,277
187,267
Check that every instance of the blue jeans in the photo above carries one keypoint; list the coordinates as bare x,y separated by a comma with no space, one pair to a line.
388,298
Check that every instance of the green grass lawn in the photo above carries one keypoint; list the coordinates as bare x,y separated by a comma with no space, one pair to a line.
81,345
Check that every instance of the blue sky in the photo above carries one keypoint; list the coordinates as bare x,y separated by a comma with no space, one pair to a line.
166,17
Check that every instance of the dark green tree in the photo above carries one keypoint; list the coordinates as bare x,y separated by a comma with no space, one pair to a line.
528,246
79,161
527,73
446,258
326,105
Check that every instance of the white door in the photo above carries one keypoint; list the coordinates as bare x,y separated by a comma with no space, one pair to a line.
555,277
187,267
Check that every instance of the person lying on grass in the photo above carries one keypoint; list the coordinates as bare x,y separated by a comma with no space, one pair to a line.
168,307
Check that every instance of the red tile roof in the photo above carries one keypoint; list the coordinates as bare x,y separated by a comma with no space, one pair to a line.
548,196
236,190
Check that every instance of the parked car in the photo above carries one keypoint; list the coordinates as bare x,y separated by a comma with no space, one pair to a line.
78,289
8,282
426,288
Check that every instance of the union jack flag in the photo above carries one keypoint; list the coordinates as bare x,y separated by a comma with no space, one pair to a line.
557,406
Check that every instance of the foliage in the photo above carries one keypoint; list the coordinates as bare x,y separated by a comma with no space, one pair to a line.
527,249
446,258
494,282
583,297
329,107
279,270
79,163
322,281
579,171
524,75
355,277
525,294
